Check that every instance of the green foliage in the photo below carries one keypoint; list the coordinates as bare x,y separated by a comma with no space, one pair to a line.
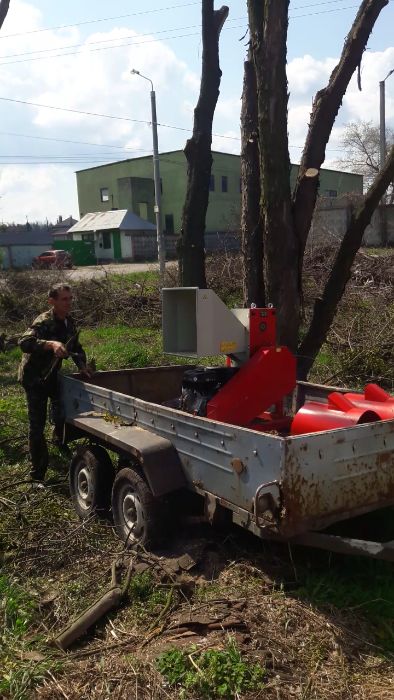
146,598
16,607
18,682
141,586
21,667
362,585
115,347
210,674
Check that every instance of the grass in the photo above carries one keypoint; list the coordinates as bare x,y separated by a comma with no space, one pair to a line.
364,587
319,626
215,673
24,659
114,347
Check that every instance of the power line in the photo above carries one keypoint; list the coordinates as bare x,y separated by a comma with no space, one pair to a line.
148,41
137,14
83,143
102,19
108,116
162,31
106,41
106,48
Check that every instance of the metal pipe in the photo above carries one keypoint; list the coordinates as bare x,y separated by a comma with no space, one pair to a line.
156,176
382,111
382,156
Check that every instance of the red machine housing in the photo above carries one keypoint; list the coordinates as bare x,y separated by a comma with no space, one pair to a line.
262,382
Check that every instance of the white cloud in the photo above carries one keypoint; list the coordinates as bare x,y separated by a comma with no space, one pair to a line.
25,191
100,81
307,75
92,81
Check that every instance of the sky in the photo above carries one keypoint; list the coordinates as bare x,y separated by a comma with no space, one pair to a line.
78,56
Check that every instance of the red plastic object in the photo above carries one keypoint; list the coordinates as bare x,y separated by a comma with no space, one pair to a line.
344,410
375,399
261,382
314,417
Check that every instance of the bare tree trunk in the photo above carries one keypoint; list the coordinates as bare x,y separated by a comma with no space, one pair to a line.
251,222
325,109
325,308
268,21
198,152
4,7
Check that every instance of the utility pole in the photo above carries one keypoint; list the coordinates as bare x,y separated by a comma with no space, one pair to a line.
156,176
382,148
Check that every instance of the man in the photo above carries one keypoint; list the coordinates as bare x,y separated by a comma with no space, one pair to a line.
51,337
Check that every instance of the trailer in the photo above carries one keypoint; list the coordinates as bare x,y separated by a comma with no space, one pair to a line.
278,485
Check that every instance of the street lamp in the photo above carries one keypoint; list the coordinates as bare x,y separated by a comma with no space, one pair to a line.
156,175
382,158
382,85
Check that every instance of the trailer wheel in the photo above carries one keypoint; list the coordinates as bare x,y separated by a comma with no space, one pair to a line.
90,479
135,510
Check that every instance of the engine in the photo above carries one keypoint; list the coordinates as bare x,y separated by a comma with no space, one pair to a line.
200,384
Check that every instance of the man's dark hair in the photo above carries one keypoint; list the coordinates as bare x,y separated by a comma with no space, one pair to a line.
54,291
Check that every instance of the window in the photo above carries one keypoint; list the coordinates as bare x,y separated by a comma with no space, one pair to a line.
331,193
212,184
224,183
106,240
88,237
104,194
169,225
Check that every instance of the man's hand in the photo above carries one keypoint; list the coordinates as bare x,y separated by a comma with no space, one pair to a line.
58,349
86,372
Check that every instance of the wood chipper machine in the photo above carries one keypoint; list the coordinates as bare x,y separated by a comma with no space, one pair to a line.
281,458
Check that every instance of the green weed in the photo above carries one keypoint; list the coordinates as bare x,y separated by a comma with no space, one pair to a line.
362,586
115,347
18,682
16,607
210,674
146,599
22,665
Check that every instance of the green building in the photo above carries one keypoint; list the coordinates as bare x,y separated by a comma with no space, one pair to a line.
128,184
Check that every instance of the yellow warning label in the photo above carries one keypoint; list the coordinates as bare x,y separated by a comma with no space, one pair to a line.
227,346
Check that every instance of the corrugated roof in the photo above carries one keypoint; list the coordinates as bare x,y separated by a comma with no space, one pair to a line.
122,219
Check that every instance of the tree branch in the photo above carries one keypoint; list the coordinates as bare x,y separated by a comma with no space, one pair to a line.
268,22
4,7
198,152
251,222
325,109
325,308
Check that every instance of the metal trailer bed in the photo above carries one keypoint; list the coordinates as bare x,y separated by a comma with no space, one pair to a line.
283,488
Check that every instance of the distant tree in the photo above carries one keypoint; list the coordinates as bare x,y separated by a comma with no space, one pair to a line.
361,145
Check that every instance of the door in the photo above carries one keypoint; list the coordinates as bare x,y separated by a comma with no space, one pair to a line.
117,247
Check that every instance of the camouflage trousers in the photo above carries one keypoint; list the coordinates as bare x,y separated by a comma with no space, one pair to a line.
37,405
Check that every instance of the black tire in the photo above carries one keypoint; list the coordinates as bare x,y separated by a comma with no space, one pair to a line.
135,511
90,479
